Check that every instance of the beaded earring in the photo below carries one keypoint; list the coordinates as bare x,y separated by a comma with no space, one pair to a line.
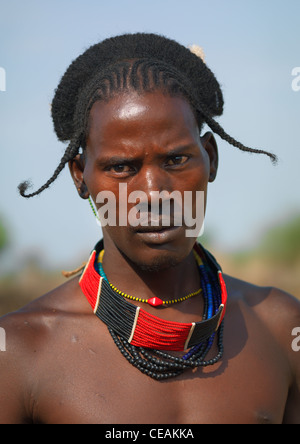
98,222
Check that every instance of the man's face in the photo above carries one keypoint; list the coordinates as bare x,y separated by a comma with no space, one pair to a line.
149,143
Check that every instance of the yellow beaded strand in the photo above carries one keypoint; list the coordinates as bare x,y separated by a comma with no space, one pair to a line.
170,302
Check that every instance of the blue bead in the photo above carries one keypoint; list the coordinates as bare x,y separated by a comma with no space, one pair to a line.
101,271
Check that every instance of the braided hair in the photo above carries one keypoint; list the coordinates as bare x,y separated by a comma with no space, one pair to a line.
140,62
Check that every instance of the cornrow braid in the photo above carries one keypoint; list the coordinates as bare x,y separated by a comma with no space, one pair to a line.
141,75
215,127
69,154
139,62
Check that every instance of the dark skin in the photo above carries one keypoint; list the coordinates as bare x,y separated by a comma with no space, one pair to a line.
61,365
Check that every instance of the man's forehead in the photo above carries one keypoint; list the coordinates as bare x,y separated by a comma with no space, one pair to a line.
155,109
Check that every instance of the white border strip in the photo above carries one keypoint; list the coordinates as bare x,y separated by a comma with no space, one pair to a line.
134,324
189,336
98,294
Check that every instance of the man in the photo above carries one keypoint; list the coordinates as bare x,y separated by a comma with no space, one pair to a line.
150,332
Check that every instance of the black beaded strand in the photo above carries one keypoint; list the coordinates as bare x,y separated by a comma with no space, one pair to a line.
161,365
158,364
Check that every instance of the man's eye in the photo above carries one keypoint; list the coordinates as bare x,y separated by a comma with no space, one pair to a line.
177,160
121,168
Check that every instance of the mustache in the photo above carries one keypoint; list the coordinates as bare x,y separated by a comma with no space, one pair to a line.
163,209
157,217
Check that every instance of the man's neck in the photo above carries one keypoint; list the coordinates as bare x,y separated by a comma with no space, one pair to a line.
168,283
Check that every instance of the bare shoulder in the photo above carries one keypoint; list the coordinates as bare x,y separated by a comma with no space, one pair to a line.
278,311
279,314
276,308
32,322
27,335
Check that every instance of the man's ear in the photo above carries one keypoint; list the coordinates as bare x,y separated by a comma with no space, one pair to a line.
210,145
76,167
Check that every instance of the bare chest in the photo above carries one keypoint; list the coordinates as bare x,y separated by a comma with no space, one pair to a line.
91,382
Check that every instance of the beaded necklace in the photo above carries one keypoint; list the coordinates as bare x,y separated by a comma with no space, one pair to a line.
154,302
143,339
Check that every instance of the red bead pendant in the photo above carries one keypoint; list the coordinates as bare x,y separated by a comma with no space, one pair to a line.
155,302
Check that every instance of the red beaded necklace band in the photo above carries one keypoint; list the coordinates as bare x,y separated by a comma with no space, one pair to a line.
154,301
140,328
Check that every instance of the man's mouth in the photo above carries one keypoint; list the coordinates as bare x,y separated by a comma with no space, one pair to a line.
153,229
157,234
153,223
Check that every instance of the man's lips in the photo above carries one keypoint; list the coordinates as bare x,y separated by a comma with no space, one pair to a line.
158,235
153,229
156,224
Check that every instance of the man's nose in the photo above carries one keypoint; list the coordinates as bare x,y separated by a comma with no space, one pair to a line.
153,179
157,198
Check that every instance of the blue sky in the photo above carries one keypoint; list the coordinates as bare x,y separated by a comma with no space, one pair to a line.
252,46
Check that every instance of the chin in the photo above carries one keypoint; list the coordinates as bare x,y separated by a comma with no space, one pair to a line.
160,263
146,256
156,259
